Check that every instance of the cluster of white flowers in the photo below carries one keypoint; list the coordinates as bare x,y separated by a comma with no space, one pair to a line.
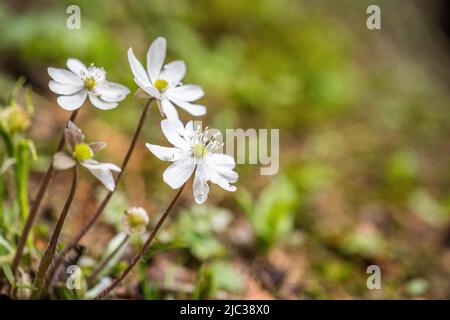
193,150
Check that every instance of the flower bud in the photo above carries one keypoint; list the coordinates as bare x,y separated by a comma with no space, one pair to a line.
15,119
135,220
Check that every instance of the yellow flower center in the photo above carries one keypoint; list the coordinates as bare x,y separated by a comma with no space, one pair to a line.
82,152
160,84
199,150
135,221
93,76
89,83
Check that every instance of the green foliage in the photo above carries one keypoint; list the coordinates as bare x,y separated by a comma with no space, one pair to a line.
366,244
364,127
21,174
425,206
196,229
9,274
417,287
14,121
272,214
216,276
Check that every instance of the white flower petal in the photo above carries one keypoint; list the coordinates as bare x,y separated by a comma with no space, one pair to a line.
179,172
73,135
217,178
73,126
65,76
102,172
188,92
138,70
97,146
221,159
174,72
62,161
61,88
155,58
166,153
194,109
76,66
172,132
200,187
223,164
72,102
111,92
110,166
152,91
230,175
169,110
189,130
101,104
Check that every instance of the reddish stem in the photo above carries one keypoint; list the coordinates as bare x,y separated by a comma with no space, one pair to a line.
74,242
51,248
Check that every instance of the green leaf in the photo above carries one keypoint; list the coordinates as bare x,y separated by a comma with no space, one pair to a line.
5,244
7,140
9,274
273,214
26,286
21,169
226,277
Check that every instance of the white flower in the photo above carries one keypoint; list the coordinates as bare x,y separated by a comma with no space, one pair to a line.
83,153
194,150
164,82
135,220
79,82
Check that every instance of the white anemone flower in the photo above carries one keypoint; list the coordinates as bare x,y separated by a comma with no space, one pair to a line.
163,82
83,153
194,150
79,82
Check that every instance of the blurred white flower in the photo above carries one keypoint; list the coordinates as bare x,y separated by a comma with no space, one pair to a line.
79,82
194,150
135,220
83,154
164,82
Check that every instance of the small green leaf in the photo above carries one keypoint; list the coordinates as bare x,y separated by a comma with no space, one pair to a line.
9,274
26,286
32,149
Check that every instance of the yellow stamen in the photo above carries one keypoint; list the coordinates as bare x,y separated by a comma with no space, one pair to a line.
199,150
160,84
89,83
82,152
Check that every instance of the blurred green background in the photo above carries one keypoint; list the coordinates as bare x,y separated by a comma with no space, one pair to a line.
364,141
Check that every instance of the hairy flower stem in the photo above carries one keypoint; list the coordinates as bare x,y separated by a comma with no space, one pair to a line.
36,204
51,248
144,248
74,242
90,280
